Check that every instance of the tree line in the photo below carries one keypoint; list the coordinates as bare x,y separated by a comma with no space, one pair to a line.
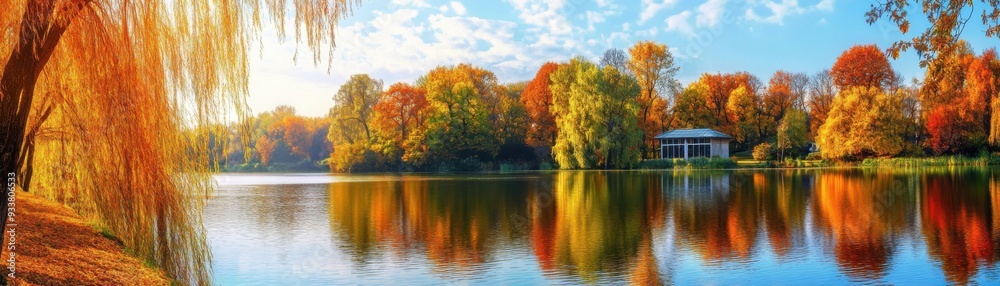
582,114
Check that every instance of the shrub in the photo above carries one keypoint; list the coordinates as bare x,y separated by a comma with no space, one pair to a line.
656,164
698,163
763,151
814,156
721,163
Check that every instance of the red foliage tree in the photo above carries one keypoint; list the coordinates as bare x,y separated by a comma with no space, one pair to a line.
946,129
537,98
863,66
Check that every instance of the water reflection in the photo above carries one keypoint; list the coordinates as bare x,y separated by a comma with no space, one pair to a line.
757,227
865,216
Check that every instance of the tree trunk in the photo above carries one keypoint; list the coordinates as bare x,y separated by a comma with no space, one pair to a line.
38,35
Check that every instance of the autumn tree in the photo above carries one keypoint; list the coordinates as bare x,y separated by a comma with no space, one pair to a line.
784,91
351,120
793,132
947,130
537,99
654,70
463,101
690,110
127,65
821,94
265,146
862,66
863,121
745,112
298,135
512,120
400,113
596,113
948,21
963,86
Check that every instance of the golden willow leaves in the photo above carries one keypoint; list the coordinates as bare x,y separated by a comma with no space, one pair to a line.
125,80
596,113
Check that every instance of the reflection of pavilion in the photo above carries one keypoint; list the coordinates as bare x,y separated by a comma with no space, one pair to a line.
695,185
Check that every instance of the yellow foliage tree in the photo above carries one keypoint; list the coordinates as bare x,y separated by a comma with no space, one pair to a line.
863,121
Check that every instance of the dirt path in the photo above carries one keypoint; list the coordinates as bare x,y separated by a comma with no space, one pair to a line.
54,246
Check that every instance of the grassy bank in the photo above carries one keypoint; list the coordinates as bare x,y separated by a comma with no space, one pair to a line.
54,246
981,160
691,164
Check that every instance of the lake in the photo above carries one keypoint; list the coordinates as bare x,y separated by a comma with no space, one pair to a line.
813,226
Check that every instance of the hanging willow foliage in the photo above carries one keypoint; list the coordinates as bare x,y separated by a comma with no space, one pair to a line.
100,100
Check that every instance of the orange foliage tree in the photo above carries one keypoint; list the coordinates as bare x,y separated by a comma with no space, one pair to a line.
537,99
652,64
298,135
719,89
862,66
401,112
265,146
784,91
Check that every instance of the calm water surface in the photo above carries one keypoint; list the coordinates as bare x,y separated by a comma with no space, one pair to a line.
929,226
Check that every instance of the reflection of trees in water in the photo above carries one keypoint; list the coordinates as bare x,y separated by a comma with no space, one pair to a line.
453,223
958,221
865,215
600,226
274,207
720,215
601,221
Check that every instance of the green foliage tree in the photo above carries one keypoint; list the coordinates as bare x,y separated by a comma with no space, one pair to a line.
690,109
463,100
793,132
596,115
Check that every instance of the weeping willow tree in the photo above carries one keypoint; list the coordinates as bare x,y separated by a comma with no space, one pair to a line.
98,100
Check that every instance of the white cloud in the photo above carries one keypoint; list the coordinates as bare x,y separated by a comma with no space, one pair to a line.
594,18
415,3
778,11
458,7
680,23
710,13
650,8
443,8
543,14
604,3
825,5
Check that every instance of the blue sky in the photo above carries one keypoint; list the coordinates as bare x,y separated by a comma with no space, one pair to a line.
399,40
